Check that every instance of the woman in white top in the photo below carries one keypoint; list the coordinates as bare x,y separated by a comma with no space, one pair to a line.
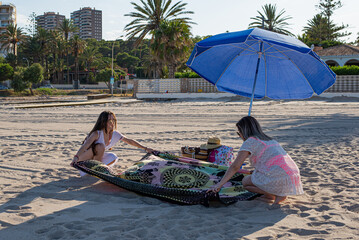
103,137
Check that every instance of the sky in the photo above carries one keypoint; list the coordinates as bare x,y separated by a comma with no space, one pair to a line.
211,16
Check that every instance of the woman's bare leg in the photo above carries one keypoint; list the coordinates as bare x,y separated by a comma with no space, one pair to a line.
88,154
248,185
100,150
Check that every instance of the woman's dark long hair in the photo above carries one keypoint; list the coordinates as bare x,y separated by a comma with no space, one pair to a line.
101,123
249,127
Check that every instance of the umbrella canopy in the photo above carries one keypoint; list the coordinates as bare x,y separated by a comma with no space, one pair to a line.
258,63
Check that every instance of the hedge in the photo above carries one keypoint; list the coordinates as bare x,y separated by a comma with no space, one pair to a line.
346,70
186,75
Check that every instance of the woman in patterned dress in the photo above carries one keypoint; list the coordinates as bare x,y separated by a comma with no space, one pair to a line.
275,175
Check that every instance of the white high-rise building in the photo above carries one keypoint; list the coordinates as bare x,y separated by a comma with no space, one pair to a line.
89,23
50,20
7,17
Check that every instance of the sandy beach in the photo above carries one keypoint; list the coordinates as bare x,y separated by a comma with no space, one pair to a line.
42,197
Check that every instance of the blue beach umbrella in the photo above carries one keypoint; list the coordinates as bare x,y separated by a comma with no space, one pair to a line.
258,63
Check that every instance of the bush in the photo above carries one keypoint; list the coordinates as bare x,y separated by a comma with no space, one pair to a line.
18,83
346,70
34,74
6,71
187,74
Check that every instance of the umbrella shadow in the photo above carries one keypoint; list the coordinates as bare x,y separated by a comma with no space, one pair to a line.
316,131
103,210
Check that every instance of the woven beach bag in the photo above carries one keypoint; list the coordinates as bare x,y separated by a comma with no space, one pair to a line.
194,152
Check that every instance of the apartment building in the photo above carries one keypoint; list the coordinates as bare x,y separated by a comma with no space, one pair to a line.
49,20
7,17
89,23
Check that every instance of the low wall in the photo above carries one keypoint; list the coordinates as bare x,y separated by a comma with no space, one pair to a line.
100,85
177,85
345,83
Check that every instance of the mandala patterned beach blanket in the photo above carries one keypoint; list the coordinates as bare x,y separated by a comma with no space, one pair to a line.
172,178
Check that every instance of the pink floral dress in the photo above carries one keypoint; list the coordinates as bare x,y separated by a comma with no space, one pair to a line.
275,171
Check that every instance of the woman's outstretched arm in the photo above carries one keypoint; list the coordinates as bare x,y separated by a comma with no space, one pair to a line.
236,165
136,144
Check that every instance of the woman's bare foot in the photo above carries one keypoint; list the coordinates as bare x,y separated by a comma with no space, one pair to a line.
279,199
265,199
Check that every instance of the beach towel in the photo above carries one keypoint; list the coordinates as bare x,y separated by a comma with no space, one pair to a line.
172,178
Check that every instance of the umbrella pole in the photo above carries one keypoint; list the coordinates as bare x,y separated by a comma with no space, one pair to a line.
255,78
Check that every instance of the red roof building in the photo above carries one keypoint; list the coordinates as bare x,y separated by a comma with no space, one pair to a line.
339,55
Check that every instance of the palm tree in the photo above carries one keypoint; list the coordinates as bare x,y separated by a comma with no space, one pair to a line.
171,44
66,28
149,16
316,28
32,50
88,57
270,20
57,50
77,47
11,37
43,37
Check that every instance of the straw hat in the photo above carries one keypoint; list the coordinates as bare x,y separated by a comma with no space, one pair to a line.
212,143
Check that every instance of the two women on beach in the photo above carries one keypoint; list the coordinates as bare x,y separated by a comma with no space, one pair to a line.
275,174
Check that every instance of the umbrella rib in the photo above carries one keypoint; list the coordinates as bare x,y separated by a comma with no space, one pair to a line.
289,50
221,45
250,46
275,56
294,65
241,47
193,57
225,69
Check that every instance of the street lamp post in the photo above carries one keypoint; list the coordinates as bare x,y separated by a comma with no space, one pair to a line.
112,76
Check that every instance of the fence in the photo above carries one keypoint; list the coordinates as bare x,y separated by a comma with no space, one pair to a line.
344,83
183,85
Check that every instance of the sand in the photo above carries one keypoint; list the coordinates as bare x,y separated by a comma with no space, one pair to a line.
42,197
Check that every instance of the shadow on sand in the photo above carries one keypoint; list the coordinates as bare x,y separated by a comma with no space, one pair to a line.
89,208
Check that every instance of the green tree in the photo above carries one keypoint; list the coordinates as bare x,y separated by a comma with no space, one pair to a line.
327,8
150,14
271,20
33,75
11,37
105,75
11,59
88,57
43,37
18,83
316,28
171,44
128,61
6,71
32,50
77,47
66,28
31,27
